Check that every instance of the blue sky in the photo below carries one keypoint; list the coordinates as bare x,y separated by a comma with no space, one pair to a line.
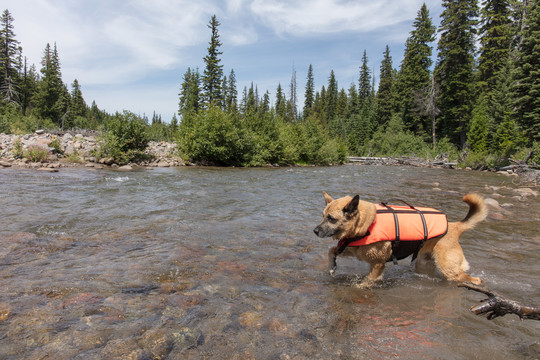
132,54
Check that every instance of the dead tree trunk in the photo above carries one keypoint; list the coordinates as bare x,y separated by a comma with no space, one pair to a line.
496,305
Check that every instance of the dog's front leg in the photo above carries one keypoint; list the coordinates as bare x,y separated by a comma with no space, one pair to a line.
332,254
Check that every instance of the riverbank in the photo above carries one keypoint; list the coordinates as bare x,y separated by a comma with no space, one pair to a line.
77,149
525,174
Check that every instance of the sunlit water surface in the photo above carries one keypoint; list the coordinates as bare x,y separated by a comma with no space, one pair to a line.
208,263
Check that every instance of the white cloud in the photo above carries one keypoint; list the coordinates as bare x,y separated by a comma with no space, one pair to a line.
303,17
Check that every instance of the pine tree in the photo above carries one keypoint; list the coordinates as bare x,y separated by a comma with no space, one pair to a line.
495,41
52,99
9,50
364,82
352,101
190,93
309,94
292,107
526,89
251,103
455,67
231,102
415,75
281,106
29,86
331,98
213,73
77,106
385,94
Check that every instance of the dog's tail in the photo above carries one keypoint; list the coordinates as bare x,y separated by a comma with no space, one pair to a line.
477,212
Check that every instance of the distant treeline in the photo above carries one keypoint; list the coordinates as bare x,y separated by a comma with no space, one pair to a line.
478,104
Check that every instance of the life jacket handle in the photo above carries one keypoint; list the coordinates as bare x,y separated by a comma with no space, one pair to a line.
385,203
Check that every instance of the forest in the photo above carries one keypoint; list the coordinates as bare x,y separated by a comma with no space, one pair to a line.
477,101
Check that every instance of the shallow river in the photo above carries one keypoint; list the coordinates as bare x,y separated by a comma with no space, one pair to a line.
207,263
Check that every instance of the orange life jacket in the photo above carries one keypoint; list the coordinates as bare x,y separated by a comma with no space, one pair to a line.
401,223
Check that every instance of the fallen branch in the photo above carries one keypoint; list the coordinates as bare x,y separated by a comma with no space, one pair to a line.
496,305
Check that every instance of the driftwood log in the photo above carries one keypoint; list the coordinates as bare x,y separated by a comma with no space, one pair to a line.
496,305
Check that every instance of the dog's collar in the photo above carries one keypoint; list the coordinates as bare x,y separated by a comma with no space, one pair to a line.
343,243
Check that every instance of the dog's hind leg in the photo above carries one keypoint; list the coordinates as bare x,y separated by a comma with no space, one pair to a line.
452,264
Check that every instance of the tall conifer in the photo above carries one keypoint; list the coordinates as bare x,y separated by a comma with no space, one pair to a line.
309,94
455,67
385,94
364,82
495,41
415,72
213,72
9,49
527,74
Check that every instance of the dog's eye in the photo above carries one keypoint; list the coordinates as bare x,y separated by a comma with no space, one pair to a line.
331,219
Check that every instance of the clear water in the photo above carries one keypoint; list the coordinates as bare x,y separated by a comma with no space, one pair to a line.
211,263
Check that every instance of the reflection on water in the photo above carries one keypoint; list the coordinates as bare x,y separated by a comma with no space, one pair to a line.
222,264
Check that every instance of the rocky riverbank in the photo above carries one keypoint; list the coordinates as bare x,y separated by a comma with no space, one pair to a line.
524,173
76,149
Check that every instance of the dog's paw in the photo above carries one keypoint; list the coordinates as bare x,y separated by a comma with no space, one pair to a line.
332,271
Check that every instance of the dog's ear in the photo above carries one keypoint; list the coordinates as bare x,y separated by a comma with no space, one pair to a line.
328,198
352,206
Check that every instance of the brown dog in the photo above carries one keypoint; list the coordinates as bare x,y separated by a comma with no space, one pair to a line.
350,217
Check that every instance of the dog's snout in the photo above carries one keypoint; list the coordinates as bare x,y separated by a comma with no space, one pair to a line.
317,230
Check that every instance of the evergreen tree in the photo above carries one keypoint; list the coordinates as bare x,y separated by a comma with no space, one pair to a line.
231,103
309,94
415,75
342,103
364,82
352,101
495,41
251,103
281,106
190,93
385,94
331,98
478,135
52,98
455,67
29,86
213,73
265,104
78,105
527,75
9,50
292,107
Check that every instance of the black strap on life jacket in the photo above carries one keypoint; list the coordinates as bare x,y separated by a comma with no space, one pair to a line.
395,243
343,243
398,253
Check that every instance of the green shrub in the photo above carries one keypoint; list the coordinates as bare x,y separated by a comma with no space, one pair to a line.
36,153
18,148
483,161
394,140
125,138
56,145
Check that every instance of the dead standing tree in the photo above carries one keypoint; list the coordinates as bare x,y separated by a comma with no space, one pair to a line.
425,104
496,305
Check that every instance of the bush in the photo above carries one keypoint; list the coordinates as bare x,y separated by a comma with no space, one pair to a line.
218,138
483,161
36,153
125,138
395,141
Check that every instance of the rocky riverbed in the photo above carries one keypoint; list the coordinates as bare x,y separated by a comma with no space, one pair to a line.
77,149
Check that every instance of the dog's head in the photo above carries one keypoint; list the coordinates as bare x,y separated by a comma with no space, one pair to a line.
338,216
